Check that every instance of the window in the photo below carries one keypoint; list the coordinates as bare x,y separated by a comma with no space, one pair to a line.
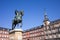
3,32
24,36
46,37
57,25
59,35
44,28
42,33
59,29
0,35
40,37
11,38
30,31
39,29
56,30
45,32
49,32
53,31
2,39
54,36
50,36
0,31
6,32
27,39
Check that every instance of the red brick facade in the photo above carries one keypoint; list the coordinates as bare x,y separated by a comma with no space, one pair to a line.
50,32
4,34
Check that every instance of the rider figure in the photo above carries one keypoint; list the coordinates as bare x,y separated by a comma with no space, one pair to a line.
18,16
17,19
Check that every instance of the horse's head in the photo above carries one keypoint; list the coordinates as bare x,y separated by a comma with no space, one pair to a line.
16,12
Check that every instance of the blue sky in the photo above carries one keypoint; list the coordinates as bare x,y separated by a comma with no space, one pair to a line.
33,11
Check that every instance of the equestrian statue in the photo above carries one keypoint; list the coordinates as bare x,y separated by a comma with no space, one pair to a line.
17,19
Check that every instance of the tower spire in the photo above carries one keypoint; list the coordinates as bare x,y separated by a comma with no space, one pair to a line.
46,20
45,16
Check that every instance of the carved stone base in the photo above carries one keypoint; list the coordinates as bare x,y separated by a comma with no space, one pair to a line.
15,34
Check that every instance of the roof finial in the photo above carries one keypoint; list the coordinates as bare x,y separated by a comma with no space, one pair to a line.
45,12
46,20
45,15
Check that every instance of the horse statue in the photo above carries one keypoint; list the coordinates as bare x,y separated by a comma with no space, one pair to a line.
17,19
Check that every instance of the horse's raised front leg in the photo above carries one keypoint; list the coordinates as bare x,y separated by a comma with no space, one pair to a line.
13,26
21,25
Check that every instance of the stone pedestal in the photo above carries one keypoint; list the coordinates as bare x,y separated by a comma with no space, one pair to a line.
15,34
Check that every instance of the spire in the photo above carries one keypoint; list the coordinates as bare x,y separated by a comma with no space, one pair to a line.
45,16
46,20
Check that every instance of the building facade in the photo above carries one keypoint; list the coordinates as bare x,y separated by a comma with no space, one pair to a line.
49,30
4,34
33,34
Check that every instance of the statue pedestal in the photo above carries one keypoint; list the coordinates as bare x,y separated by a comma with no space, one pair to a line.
15,34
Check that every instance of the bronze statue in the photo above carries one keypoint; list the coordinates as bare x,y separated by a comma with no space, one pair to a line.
17,19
